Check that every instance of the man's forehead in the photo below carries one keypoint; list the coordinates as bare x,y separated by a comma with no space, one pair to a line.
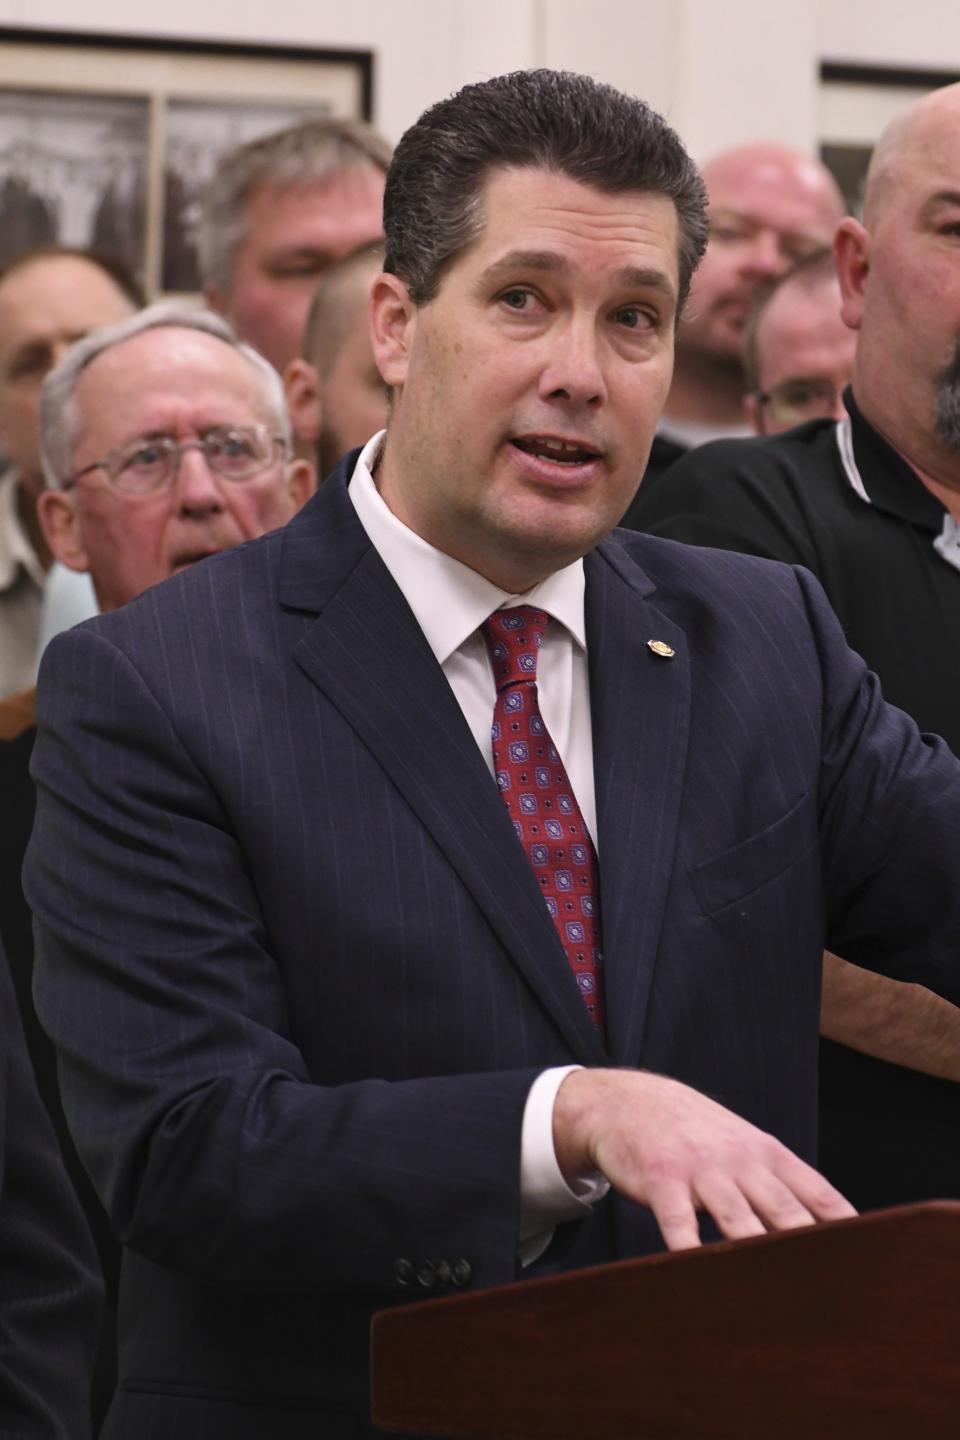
38,293
788,198
921,146
531,211
339,192
151,348
798,307
56,275
168,363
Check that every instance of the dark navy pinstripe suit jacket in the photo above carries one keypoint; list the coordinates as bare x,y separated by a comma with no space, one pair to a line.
300,973
50,1287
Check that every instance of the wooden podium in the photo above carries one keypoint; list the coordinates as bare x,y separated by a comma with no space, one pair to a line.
848,1331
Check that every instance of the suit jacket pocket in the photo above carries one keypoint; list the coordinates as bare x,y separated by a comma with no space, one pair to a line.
752,863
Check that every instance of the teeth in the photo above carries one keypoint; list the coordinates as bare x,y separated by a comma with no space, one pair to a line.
558,445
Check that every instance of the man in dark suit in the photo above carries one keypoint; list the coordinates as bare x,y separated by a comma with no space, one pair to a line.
324,1044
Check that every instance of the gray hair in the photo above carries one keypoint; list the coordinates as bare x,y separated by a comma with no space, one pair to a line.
548,119
57,398
303,154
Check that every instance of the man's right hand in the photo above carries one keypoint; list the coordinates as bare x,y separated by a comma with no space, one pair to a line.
668,1147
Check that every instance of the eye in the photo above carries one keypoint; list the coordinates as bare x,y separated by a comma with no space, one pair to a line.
34,360
727,233
232,444
144,456
517,299
800,247
299,267
632,317
800,393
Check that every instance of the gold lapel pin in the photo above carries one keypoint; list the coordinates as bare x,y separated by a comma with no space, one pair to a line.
661,648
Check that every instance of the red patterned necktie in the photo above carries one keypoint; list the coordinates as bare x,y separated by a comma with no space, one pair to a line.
540,798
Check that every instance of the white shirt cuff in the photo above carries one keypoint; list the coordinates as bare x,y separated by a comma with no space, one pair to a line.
546,1200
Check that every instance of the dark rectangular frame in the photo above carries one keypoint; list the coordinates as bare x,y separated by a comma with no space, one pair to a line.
361,62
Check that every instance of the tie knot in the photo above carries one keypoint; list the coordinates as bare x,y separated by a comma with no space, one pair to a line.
513,641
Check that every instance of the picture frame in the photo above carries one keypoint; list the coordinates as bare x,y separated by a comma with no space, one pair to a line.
857,102
106,141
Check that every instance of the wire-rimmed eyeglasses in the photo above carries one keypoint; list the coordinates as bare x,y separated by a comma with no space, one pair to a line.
152,462
794,401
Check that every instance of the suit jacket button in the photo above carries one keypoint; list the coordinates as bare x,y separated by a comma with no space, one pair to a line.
444,1274
403,1272
426,1274
461,1272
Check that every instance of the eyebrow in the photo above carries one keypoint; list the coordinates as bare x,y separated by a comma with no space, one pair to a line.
298,252
549,262
944,197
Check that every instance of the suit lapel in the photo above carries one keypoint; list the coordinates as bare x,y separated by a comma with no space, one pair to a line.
640,713
367,654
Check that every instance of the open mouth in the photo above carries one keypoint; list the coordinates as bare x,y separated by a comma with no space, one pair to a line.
191,557
559,452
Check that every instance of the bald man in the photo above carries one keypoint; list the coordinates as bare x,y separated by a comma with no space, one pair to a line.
871,504
798,352
334,392
769,207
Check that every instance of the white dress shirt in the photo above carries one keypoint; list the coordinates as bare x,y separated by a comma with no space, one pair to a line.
450,602
21,589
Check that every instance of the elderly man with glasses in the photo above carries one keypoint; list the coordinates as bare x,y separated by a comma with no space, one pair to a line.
165,440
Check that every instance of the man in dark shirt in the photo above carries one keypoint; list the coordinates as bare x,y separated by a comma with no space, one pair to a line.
871,504
770,206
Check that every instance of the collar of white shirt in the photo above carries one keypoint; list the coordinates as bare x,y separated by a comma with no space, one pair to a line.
16,552
451,601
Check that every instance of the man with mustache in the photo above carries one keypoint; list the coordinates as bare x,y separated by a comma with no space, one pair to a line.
871,504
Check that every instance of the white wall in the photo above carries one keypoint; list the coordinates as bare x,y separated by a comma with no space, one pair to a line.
723,70
423,48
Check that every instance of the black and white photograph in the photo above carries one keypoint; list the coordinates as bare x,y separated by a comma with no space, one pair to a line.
73,172
197,133
115,158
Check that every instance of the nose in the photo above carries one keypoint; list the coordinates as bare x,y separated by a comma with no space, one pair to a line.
573,368
763,257
198,489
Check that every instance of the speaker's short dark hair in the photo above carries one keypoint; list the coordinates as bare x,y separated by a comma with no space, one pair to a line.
548,119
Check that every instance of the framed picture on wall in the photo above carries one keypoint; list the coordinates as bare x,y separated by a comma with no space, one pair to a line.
108,141
856,103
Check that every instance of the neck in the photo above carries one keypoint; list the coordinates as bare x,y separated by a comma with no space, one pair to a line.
948,495
27,511
705,389
934,464
514,571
